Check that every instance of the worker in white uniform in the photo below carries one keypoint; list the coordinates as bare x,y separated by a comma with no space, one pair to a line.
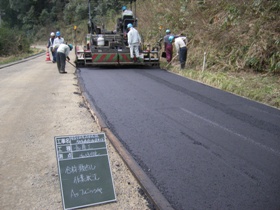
50,46
126,12
62,54
134,41
57,41
181,48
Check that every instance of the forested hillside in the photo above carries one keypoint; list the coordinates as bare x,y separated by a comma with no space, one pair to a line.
24,22
236,35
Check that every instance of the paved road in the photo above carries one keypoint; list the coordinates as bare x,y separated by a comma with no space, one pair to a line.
202,147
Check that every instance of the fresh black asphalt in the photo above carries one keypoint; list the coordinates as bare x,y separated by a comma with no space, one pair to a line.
202,147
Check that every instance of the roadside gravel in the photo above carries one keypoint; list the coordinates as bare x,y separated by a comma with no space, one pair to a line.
37,103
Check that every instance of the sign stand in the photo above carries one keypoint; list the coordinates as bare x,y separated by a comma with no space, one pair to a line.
84,170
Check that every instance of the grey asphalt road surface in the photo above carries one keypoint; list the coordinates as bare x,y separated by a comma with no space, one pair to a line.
203,148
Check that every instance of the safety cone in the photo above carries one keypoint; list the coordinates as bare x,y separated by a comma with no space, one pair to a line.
48,56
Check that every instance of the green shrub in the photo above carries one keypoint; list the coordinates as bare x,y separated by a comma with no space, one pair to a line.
13,42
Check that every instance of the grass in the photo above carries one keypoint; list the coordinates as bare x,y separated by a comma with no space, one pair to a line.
13,58
264,88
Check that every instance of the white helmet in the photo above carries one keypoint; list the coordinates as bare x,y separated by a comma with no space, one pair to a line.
52,34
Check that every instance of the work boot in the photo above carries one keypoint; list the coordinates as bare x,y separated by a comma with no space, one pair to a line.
182,65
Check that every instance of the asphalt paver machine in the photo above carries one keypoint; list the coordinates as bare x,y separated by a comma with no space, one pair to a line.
109,48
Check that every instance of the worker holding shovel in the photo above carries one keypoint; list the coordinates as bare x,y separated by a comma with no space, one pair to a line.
62,54
181,48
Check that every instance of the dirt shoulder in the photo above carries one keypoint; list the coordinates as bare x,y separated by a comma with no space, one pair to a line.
37,104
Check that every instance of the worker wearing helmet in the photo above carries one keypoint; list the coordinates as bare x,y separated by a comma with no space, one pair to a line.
126,13
50,44
57,41
62,54
168,47
181,48
134,41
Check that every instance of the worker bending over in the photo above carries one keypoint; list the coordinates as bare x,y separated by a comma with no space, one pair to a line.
181,48
62,54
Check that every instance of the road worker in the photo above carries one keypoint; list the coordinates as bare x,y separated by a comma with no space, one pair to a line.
50,45
62,54
181,48
134,41
126,13
168,47
57,41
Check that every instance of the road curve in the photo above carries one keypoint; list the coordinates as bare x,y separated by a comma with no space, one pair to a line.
203,148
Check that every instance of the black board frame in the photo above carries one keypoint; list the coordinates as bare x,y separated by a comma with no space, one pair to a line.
83,161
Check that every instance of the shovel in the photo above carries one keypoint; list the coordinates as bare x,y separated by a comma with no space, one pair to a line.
73,65
171,60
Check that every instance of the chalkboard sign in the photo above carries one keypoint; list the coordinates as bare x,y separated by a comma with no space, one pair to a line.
84,170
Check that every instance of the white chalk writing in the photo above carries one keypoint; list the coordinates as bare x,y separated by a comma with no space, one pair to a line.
79,168
85,178
87,191
86,167
89,154
91,191
71,169
86,141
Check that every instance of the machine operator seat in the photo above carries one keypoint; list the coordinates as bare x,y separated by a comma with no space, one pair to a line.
122,23
127,17
127,14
